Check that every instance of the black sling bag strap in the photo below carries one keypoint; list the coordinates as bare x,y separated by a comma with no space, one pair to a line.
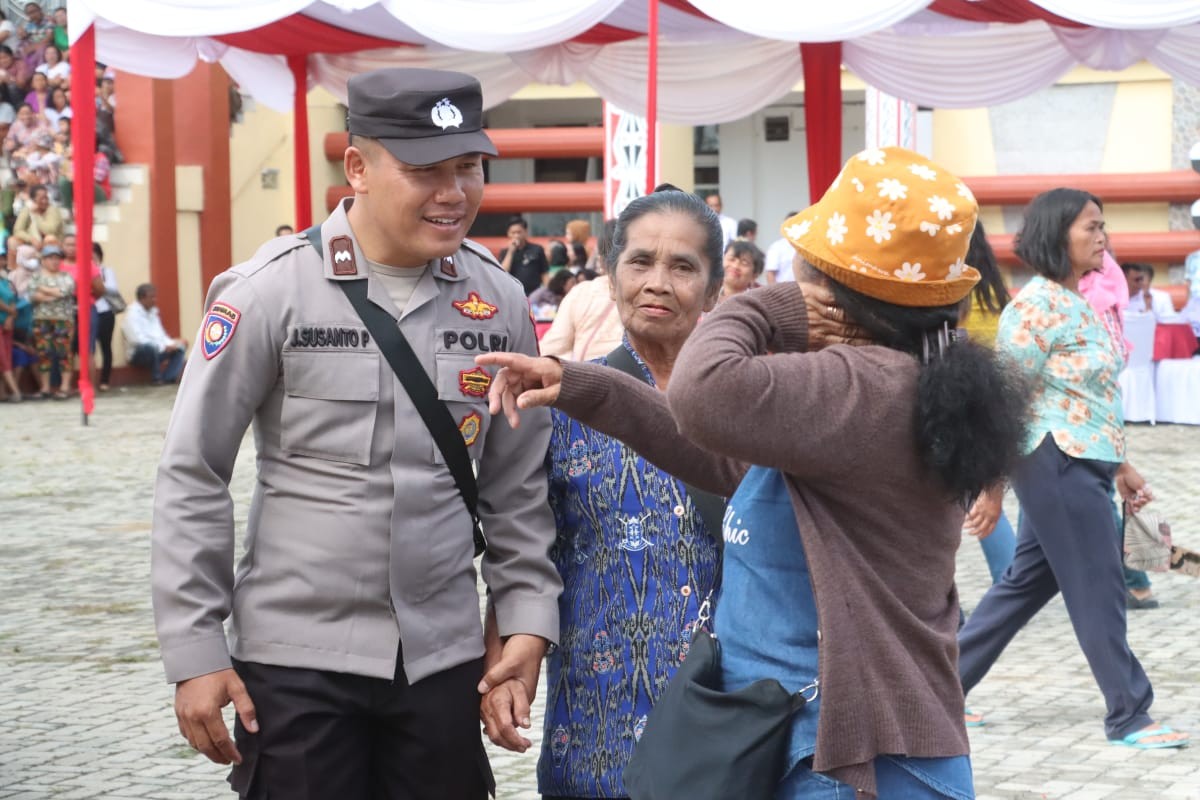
421,391
711,507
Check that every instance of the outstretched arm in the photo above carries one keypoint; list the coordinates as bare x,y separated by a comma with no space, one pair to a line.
613,403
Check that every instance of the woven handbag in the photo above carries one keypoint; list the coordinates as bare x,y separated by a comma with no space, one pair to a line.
1147,541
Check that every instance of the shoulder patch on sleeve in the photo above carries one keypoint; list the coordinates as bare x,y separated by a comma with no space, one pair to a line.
219,325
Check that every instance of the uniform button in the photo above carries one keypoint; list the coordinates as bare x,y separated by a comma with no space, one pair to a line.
679,511
686,591
818,634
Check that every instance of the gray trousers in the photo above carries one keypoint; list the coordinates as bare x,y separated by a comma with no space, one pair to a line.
1066,542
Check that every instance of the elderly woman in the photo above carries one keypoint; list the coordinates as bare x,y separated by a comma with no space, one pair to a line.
635,552
1067,540
849,468
53,294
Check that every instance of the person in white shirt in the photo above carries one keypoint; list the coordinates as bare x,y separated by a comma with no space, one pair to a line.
147,343
1144,299
779,259
728,224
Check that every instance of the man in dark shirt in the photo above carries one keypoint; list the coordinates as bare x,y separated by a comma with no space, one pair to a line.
522,258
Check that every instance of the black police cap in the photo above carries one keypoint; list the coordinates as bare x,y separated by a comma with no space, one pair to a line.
421,116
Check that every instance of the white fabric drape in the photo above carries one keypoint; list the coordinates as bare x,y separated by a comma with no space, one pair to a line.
500,26
969,70
697,83
1128,14
264,77
1179,54
1099,48
812,21
498,75
187,17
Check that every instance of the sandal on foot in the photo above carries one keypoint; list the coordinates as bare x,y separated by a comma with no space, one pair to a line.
1136,739
972,719
61,395
1135,603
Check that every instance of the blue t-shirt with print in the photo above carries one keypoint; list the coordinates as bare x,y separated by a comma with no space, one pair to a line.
766,621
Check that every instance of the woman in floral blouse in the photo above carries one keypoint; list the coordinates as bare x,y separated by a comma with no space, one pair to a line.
53,294
1075,452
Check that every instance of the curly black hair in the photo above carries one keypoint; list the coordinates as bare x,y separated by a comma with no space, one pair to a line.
971,406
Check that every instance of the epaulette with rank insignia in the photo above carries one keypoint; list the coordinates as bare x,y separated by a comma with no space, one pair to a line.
482,252
273,250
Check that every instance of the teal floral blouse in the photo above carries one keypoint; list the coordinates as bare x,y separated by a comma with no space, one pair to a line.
1056,339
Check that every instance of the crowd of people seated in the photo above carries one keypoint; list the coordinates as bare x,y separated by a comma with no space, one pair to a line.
38,307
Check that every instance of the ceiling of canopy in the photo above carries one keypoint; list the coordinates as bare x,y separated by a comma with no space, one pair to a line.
719,60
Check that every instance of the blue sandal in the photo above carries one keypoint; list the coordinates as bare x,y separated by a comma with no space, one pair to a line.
1134,739
977,722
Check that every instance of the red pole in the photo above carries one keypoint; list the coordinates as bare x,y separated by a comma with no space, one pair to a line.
303,183
822,113
83,147
652,101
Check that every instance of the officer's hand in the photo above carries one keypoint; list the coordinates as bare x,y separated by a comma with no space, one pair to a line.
524,382
508,689
198,704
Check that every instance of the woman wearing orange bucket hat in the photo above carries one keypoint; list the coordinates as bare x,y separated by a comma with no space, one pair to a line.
849,427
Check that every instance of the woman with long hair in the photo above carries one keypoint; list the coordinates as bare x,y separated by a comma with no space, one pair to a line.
850,428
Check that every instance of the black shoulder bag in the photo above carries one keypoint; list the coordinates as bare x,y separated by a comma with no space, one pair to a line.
700,742
420,389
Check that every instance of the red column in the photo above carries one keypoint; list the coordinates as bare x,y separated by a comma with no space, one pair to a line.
299,67
83,145
822,113
652,100
201,122
145,123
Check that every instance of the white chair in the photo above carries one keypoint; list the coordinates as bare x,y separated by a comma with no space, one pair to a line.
1177,389
1137,379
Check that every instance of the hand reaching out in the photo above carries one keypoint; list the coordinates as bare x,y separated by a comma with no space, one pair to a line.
523,382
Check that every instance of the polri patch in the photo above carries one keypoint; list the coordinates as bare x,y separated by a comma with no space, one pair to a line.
470,427
341,253
219,324
475,307
474,382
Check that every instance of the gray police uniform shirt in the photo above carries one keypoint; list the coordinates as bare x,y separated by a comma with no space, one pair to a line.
357,538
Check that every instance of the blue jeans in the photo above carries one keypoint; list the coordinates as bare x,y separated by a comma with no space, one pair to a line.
164,367
949,779
998,548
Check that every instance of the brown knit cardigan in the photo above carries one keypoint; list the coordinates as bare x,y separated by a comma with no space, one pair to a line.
879,530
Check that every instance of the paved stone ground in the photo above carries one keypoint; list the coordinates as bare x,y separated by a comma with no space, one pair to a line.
86,713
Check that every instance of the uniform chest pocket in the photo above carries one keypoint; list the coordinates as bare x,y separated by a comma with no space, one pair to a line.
463,387
329,404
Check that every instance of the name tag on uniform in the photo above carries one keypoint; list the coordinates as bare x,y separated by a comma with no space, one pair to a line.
331,337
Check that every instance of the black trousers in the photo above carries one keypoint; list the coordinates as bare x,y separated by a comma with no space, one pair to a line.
1067,542
104,336
332,736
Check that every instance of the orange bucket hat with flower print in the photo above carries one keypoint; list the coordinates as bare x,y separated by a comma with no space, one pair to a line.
893,226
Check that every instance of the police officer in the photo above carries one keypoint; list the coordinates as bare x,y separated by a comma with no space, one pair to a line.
355,647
